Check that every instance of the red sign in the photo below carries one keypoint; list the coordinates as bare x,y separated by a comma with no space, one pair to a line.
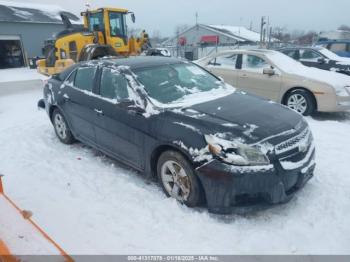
182,41
212,39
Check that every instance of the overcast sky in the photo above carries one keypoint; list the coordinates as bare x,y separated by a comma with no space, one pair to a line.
164,15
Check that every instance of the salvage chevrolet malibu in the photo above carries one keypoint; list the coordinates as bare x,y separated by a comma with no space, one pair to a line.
205,142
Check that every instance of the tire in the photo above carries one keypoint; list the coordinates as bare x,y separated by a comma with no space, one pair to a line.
300,101
61,128
184,175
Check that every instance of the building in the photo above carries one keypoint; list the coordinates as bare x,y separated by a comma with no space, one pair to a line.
23,29
334,35
188,43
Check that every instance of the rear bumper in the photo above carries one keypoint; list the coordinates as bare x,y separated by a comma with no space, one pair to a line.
232,189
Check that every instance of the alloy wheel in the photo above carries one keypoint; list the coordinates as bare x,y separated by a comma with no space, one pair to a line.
298,103
60,126
175,180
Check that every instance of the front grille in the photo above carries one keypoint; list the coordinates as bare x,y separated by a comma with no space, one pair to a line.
300,142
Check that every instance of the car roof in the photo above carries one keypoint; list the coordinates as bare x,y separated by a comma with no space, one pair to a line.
302,47
330,41
245,51
138,62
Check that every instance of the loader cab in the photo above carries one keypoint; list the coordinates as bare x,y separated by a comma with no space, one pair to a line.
109,25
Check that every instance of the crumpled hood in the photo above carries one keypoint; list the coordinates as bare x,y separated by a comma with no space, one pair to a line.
248,116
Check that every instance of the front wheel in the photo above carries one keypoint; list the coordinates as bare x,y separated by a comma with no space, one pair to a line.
178,179
300,101
61,128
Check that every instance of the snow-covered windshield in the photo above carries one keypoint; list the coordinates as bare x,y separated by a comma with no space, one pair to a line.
181,83
329,54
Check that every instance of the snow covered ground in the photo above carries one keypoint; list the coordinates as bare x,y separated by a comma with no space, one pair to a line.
20,74
90,204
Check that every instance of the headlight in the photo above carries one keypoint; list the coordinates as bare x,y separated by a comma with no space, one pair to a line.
343,91
236,153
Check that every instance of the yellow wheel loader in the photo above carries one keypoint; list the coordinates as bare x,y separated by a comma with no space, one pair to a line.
104,33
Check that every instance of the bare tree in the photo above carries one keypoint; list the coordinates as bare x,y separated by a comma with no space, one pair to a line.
306,39
156,38
181,28
136,32
344,28
281,33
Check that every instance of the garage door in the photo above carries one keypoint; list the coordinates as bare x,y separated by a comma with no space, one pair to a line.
11,55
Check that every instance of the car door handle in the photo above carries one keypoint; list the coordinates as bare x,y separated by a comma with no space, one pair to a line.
244,76
98,111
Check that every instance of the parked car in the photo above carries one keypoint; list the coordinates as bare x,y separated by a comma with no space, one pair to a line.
319,57
340,47
273,75
173,120
158,52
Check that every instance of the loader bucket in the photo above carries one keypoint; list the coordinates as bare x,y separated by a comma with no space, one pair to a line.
20,236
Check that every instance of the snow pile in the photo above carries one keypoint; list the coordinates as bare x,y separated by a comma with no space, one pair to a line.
20,74
90,204
22,9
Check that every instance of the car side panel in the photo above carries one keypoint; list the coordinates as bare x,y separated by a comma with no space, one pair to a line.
121,133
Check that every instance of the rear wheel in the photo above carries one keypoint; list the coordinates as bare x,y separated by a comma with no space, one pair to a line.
61,128
300,101
178,179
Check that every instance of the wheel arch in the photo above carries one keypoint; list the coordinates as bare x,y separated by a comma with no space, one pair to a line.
156,153
51,109
158,150
284,97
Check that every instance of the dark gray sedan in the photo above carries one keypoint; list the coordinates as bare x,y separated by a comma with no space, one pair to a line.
319,57
207,143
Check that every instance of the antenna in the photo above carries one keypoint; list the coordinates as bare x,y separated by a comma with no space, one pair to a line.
196,18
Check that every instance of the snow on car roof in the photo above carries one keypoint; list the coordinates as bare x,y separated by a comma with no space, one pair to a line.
141,61
11,11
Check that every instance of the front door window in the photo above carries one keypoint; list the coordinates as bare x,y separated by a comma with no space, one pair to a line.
113,86
309,56
253,63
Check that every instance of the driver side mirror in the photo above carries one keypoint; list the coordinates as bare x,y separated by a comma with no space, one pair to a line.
269,71
131,107
321,60
133,18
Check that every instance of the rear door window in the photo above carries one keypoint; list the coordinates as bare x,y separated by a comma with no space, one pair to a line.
292,53
225,61
84,79
113,85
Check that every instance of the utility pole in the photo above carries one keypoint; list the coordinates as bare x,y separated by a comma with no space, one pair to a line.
262,31
239,28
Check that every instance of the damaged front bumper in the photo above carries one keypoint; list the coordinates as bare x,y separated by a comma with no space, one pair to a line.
232,189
